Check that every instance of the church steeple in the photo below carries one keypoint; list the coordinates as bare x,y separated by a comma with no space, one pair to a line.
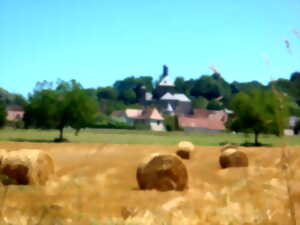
165,71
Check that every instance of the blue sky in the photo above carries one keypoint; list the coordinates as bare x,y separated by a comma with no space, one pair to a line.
97,42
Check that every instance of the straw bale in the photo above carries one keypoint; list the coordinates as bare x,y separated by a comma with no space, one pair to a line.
3,153
27,166
162,172
185,149
231,157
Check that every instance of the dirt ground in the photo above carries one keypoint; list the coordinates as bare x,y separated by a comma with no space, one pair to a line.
97,181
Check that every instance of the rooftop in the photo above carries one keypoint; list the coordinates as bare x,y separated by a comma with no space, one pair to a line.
178,96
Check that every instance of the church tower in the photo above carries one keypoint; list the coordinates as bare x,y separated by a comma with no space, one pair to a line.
165,85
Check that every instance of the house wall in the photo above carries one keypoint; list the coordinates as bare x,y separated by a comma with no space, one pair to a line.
14,115
184,108
156,125
288,132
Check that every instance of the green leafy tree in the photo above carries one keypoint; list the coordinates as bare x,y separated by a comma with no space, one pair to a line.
109,93
247,87
128,96
67,105
214,105
259,112
212,87
200,102
297,127
171,123
2,114
184,86
295,86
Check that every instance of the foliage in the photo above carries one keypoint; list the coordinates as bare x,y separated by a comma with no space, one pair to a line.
215,105
141,126
107,93
200,102
247,87
259,112
295,83
184,86
2,115
297,127
128,96
112,125
67,105
129,89
171,123
12,99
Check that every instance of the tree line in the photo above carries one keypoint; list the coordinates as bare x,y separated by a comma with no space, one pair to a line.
68,104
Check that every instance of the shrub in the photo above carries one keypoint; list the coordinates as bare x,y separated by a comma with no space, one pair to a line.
171,123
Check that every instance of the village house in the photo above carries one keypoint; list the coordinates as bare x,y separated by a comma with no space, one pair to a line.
203,120
290,131
14,113
147,116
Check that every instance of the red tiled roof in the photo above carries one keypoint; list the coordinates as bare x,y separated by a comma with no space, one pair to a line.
211,114
133,113
138,114
200,122
151,113
117,113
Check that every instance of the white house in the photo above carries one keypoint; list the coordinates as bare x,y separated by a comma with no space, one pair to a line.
148,116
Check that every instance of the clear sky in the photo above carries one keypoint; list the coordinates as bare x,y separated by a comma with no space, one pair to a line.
99,41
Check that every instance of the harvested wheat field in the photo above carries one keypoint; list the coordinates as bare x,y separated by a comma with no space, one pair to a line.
96,184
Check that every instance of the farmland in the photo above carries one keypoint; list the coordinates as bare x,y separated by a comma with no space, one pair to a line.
95,182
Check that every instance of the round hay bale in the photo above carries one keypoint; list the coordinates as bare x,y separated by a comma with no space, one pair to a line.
232,157
185,149
229,146
27,166
3,153
162,172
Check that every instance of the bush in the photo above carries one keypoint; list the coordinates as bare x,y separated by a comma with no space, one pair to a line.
112,125
2,115
171,123
297,127
141,126
18,124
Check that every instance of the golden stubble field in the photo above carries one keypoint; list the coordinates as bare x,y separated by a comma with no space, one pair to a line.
96,184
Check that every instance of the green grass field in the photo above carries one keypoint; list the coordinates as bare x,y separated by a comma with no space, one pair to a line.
140,137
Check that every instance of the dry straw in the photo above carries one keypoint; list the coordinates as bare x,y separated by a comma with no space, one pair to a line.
27,166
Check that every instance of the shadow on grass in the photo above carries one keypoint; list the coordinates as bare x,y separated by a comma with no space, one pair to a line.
250,144
32,140
246,144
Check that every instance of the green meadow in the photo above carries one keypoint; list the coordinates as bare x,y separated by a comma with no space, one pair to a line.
108,136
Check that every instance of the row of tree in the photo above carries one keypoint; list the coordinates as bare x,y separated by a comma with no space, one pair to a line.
258,108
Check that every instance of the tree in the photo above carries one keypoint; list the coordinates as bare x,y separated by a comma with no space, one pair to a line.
295,86
259,112
2,114
297,127
200,102
107,93
171,123
214,105
247,87
67,105
212,87
128,96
